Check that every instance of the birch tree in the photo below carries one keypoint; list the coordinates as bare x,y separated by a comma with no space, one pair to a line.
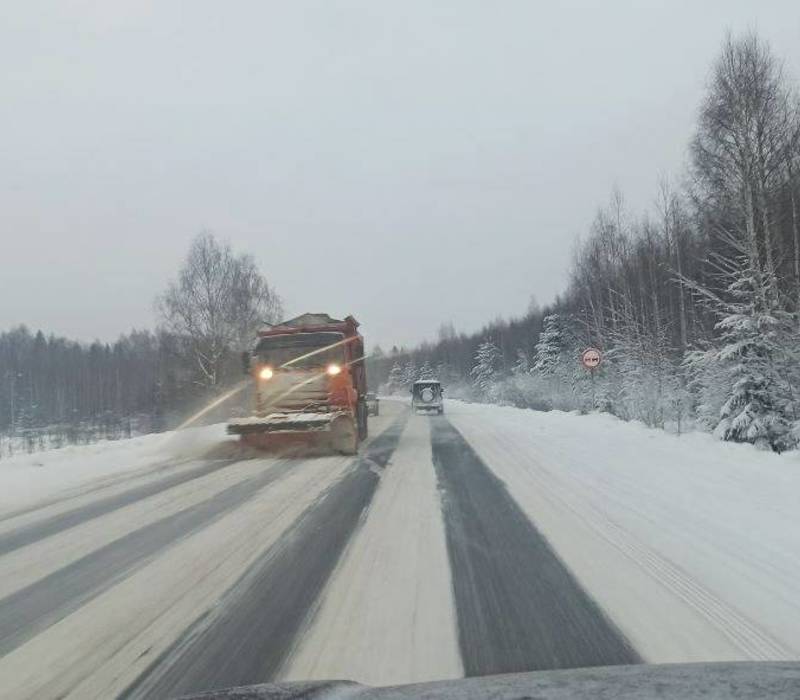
216,305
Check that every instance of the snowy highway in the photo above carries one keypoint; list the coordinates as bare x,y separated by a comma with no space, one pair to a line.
484,541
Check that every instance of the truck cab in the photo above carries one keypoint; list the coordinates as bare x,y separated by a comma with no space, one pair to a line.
310,382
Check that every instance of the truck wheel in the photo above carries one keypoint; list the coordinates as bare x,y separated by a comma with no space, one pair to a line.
345,436
363,421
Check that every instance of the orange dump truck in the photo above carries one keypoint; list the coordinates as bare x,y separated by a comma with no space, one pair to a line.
310,382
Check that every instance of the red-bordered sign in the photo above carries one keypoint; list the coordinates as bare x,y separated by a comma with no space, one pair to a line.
591,358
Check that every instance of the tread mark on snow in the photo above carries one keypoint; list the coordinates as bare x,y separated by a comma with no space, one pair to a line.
249,634
741,630
41,604
518,607
28,534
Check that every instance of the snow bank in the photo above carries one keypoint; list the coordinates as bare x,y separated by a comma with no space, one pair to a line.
691,545
30,478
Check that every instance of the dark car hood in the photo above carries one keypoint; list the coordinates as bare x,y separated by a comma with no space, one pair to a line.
741,680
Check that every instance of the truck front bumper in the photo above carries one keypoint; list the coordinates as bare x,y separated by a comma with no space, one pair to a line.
285,423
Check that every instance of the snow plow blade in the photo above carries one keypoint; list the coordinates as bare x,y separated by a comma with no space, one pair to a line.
283,423
335,430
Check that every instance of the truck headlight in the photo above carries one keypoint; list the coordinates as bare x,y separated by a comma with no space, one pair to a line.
333,369
265,373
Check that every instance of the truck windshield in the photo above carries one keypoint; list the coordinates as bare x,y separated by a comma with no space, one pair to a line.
303,350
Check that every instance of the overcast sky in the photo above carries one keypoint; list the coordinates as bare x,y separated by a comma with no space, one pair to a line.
407,162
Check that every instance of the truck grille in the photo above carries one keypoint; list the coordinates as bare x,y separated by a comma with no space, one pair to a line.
295,391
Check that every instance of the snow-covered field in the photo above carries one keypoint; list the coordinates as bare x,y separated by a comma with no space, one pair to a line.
227,568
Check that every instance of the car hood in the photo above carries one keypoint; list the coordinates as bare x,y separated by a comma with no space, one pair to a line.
709,681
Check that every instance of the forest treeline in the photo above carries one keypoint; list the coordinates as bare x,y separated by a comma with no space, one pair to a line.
55,391
695,304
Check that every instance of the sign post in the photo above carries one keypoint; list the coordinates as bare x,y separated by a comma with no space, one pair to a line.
591,359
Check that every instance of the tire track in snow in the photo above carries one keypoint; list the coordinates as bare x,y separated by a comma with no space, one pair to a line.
28,534
518,607
28,611
95,486
755,642
387,615
250,634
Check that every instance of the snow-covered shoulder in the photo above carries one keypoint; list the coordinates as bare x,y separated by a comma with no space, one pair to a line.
27,479
688,543
607,431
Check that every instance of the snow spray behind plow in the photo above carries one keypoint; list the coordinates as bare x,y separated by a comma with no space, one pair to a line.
216,402
186,442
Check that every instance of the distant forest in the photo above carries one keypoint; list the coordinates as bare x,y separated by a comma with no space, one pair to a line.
694,304
55,391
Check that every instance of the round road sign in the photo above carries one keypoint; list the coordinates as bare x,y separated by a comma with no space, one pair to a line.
591,358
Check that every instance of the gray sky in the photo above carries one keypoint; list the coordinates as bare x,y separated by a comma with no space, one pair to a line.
408,162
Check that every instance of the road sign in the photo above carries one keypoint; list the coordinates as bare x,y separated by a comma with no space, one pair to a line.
591,358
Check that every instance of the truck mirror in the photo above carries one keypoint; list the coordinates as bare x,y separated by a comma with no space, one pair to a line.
246,362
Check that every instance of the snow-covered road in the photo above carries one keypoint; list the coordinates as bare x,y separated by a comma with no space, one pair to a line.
488,540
